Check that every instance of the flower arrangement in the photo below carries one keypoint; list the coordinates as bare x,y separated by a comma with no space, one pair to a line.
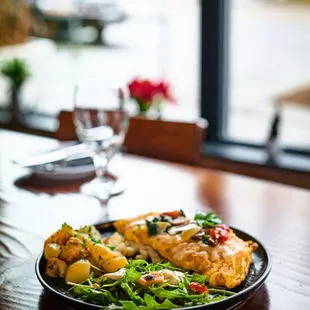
148,93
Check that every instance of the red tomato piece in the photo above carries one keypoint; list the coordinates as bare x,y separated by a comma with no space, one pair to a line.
220,233
223,226
198,288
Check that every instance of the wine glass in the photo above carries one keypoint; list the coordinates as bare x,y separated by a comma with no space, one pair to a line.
101,123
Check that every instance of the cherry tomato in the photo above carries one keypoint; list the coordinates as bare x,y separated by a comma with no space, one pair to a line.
198,288
220,233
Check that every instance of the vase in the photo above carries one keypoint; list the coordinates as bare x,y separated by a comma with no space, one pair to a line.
143,108
15,106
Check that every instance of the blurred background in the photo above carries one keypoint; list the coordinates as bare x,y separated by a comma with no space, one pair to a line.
267,49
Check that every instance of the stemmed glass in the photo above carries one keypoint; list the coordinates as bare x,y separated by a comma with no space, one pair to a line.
101,123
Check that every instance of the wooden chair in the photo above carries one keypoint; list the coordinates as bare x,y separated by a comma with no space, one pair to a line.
172,141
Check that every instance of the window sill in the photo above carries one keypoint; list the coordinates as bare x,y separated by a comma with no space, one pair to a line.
257,156
37,124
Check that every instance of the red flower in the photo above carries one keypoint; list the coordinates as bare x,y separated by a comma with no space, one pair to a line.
163,89
145,91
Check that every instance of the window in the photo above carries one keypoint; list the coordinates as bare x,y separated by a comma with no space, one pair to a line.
252,52
151,39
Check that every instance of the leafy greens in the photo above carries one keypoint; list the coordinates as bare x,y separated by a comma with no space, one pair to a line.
127,293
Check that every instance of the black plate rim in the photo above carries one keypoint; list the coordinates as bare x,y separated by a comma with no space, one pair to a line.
238,296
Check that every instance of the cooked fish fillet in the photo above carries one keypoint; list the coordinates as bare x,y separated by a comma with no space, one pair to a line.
225,264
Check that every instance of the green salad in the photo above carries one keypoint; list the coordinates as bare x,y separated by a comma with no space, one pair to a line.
140,286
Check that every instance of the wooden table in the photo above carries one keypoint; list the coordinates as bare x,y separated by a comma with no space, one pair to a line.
277,215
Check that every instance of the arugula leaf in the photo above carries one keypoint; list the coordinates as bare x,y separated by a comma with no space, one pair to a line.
152,228
151,303
167,265
103,279
207,219
113,283
101,297
167,304
163,293
132,275
128,304
199,278
135,298
137,263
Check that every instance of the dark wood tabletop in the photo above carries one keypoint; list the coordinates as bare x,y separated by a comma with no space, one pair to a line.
277,215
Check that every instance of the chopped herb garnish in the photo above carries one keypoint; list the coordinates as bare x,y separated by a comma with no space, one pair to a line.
207,219
168,227
65,225
152,228
111,247
207,239
95,241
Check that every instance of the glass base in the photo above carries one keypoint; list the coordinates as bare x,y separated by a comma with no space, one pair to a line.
102,189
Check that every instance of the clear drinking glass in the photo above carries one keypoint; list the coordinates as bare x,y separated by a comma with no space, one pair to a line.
101,123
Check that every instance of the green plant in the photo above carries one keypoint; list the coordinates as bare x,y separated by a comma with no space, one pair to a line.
16,70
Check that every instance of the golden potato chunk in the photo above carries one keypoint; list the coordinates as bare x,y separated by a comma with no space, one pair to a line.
95,268
78,272
114,264
55,268
103,256
52,250
61,236
74,250
91,231
100,252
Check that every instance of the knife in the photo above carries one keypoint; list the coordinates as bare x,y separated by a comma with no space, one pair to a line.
52,156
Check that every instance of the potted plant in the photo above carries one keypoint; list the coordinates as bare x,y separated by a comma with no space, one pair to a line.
17,72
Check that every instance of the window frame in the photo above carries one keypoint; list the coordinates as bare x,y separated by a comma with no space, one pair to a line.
214,74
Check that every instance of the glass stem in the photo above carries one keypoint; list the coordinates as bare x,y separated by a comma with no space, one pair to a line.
101,164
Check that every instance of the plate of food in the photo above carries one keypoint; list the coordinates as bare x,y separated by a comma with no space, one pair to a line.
154,261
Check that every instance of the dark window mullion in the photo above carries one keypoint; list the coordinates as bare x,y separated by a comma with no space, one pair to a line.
214,66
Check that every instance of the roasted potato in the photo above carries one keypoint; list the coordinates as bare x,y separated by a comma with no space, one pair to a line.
103,256
52,250
74,250
61,236
114,264
83,237
55,268
78,272
95,268
100,252
91,231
